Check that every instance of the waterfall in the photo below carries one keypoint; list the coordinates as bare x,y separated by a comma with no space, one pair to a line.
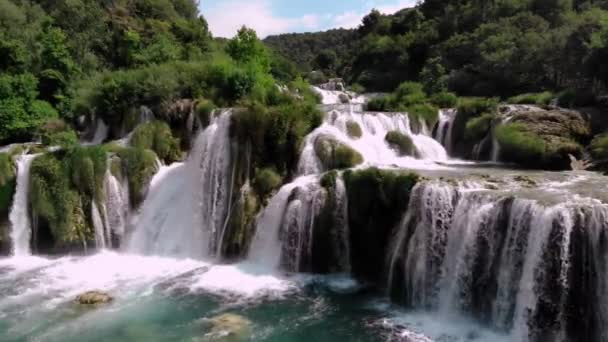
101,132
372,144
514,263
98,226
342,238
185,211
443,133
19,216
116,206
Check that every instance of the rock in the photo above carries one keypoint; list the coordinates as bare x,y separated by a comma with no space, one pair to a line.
228,327
94,298
335,155
344,99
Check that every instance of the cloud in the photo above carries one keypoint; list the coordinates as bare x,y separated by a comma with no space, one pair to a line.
352,19
228,16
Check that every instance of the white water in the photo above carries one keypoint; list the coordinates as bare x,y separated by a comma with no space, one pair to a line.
185,211
98,226
21,230
116,206
444,129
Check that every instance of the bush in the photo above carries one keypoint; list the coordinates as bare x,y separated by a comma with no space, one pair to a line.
445,100
336,155
265,181
204,109
353,129
7,183
426,113
478,127
475,106
56,132
599,147
401,143
519,146
139,166
380,104
540,99
157,136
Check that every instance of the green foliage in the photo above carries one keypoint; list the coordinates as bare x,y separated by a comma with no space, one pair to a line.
425,112
246,48
520,146
408,97
265,181
473,106
599,147
204,110
139,166
353,129
376,202
7,183
478,127
540,99
401,143
55,132
328,180
444,100
157,136
336,155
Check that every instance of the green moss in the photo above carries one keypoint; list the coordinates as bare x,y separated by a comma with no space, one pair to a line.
426,113
444,100
86,168
478,127
599,147
520,146
353,129
139,166
55,132
204,108
265,181
471,107
377,200
336,155
56,203
401,143
328,180
540,99
7,183
157,136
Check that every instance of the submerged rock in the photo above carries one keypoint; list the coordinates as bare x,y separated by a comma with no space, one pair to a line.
94,297
228,327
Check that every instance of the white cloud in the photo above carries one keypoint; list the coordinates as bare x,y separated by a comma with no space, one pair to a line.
228,16
352,19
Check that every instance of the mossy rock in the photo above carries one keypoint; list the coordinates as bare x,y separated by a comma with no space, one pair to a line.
478,128
7,184
204,109
94,298
336,155
157,136
229,327
328,180
543,139
401,143
353,129
139,166
266,180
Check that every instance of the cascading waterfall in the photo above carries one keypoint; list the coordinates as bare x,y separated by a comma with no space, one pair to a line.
21,230
184,214
443,133
116,206
98,226
511,262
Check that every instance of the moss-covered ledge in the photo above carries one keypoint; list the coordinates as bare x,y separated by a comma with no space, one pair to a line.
377,199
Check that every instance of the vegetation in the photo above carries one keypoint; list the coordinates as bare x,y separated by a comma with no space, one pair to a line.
56,132
139,166
265,181
540,99
599,147
489,48
408,97
519,145
336,155
353,129
157,136
478,127
376,202
401,143
7,184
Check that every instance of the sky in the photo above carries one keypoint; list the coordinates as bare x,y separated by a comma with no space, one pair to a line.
269,17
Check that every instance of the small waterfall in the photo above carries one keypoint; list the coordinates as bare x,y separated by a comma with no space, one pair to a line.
19,216
101,132
116,206
186,208
527,269
372,144
342,238
98,226
443,133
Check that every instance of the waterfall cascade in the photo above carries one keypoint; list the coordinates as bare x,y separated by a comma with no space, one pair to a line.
184,214
512,262
443,133
21,230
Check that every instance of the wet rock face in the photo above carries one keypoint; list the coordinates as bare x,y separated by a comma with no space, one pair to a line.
94,298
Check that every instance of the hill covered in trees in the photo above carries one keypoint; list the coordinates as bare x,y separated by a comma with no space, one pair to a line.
481,48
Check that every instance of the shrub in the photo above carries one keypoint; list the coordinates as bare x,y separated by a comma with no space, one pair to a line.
518,145
426,113
204,109
7,182
380,104
476,106
336,155
139,166
478,127
444,100
599,147
540,99
357,88
55,132
157,136
86,168
353,129
401,143
266,180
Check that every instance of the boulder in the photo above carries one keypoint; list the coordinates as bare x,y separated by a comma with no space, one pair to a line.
94,298
334,154
228,327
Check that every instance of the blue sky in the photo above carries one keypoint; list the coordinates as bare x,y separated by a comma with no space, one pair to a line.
282,16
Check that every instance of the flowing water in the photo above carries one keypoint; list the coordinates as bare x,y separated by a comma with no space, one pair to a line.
479,255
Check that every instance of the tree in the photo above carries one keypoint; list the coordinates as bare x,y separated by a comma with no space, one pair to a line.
246,48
